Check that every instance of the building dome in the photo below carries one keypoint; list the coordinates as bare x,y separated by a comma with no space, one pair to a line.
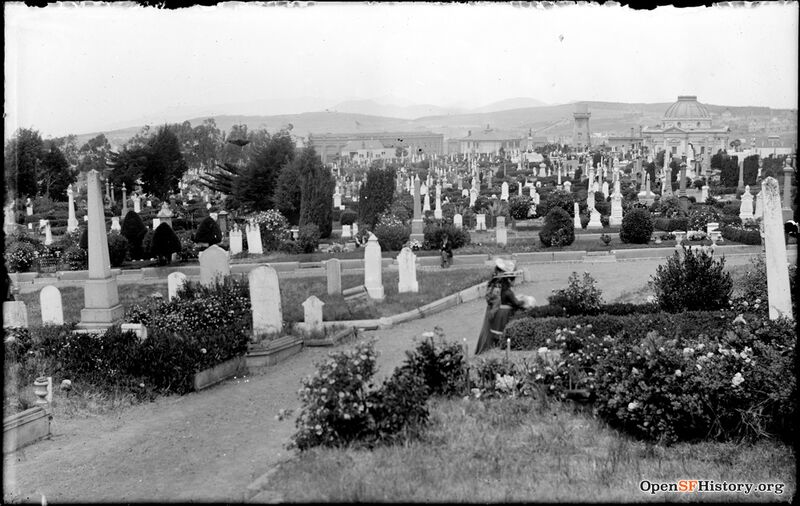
687,107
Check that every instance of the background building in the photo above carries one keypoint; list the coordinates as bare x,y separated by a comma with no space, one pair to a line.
685,122
581,136
330,146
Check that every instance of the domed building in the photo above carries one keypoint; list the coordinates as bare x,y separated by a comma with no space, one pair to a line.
686,122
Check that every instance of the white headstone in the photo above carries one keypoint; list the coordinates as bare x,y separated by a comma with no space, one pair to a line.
501,233
52,309
48,234
567,186
746,207
312,313
458,220
254,246
473,197
407,271
759,206
576,223
235,241
615,219
115,226
355,229
465,193
213,264
504,191
426,203
480,222
265,300
15,314
346,232
137,203
72,221
156,223
704,193
778,289
337,200
333,271
710,227
373,279
175,282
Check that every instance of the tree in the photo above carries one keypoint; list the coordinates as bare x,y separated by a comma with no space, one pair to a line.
750,170
134,230
23,154
126,166
376,195
316,203
289,191
165,164
93,154
165,243
208,232
55,174
69,146
261,176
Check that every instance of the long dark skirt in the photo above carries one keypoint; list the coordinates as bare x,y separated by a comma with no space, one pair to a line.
494,325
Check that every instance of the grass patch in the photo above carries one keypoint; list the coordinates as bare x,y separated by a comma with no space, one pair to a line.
432,286
505,450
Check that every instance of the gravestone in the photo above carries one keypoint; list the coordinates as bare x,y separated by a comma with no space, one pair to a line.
235,241
704,193
337,200
373,279
427,205
746,206
72,221
165,214
156,223
473,197
567,186
407,271
778,289
10,219
265,299
594,214
52,309
175,282
137,203
616,210
346,232
101,296
48,234
759,206
29,207
465,193
254,246
15,314
501,234
576,223
222,221
213,265
504,191
312,313
333,272
458,220
124,201
480,222
115,226
355,229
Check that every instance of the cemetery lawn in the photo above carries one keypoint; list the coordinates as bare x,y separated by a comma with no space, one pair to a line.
523,449
294,291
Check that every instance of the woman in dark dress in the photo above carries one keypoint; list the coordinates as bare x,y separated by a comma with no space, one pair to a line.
500,305
446,252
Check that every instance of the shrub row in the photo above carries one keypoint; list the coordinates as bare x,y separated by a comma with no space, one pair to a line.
741,235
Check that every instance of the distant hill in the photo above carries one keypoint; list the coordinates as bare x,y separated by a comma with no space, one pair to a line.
615,118
511,103
374,108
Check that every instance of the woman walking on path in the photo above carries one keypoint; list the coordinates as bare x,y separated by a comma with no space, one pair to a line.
447,252
500,304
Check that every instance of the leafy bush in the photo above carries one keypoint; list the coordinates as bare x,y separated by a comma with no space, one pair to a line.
398,407
134,230
738,233
671,224
208,232
556,199
434,235
76,258
117,249
701,216
189,249
558,228
20,256
392,234
441,366
196,307
692,281
274,228
579,297
164,244
518,207
308,238
637,227
147,245
348,217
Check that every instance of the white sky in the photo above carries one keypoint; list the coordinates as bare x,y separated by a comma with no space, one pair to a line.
78,69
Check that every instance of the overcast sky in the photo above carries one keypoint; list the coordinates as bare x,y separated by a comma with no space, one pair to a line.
81,69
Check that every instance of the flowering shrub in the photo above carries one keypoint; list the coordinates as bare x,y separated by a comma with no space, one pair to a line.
198,307
308,238
743,233
579,297
558,228
274,228
702,216
692,281
434,234
20,256
442,367
392,234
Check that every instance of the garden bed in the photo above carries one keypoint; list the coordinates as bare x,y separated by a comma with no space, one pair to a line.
269,353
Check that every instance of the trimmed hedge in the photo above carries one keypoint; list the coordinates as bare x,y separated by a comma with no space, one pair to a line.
735,234
532,333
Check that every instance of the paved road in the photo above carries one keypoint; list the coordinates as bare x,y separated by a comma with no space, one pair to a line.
210,446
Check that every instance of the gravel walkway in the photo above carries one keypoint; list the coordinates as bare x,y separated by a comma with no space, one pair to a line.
210,446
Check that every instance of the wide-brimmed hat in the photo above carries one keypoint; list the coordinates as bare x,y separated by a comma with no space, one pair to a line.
506,268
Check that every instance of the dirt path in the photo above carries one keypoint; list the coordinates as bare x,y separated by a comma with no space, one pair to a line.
210,446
